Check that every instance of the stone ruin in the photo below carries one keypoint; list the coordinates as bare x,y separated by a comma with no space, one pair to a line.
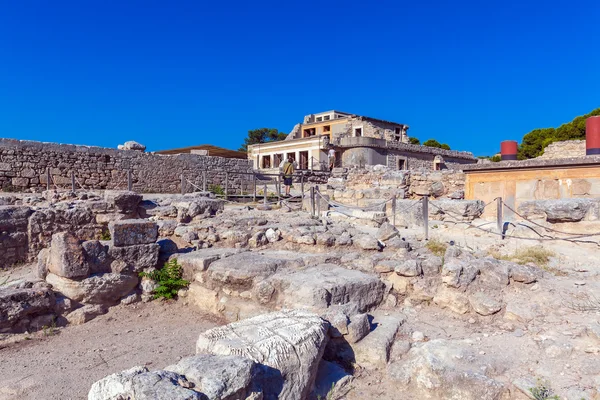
307,303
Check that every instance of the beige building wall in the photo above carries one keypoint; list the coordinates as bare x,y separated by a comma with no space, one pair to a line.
518,185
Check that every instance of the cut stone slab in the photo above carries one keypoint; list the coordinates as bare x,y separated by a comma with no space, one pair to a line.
325,285
129,232
241,269
218,377
66,257
17,305
358,328
373,351
135,258
366,242
199,260
288,343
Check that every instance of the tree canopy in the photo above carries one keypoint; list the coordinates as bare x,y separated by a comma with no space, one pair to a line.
414,140
262,135
435,143
534,143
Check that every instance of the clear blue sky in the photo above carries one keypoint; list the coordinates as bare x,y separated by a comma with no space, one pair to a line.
179,73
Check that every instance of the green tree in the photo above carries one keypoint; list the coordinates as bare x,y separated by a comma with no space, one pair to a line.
534,142
435,143
262,135
414,140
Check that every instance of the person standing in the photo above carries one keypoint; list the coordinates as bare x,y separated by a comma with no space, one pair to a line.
331,157
287,168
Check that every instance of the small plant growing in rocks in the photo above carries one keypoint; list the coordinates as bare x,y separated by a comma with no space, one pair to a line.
216,189
169,279
543,391
437,247
105,235
50,330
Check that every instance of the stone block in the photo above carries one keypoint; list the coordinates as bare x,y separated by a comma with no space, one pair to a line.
66,257
130,232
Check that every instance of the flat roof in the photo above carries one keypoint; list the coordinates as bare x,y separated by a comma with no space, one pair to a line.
532,164
212,151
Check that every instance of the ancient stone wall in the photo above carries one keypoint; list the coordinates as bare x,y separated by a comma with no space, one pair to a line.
23,166
418,157
565,149
13,234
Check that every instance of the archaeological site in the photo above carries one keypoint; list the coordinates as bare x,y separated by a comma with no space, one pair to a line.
401,272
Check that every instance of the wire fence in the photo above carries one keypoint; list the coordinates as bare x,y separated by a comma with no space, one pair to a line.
501,229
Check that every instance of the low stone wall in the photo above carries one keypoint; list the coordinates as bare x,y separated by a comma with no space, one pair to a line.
23,166
564,149
13,234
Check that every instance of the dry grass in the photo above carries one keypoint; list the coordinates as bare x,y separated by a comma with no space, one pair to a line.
437,247
536,255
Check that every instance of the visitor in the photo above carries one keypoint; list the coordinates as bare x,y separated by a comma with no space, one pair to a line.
331,156
287,168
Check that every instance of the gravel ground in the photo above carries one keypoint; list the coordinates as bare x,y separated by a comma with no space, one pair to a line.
64,365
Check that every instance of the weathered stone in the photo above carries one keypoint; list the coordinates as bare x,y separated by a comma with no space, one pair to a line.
332,380
408,268
524,273
385,266
105,288
453,300
291,343
131,232
134,258
199,260
327,284
218,377
483,304
145,385
441,369
114,386
432,265
325,239
373,351
399,283
366,242
386,231
97,256
85,314
273,235
517,311
451,272
358,328
66,257
18,305
241,269
205,299
42,263
133,145
125,202
494,273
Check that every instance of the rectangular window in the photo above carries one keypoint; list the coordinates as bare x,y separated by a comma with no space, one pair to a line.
326,128
327,117
319,119
266,162
277,159
357,132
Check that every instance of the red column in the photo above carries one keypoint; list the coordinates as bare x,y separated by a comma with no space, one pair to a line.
508,150
592,135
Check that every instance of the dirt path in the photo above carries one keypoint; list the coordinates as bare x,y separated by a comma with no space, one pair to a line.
64,366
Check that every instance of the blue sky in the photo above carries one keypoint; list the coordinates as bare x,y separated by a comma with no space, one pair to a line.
173,74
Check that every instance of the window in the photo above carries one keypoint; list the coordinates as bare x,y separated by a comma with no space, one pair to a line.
401,163
277,159
327,117
358,132
327,128
309,132
319,119
266,162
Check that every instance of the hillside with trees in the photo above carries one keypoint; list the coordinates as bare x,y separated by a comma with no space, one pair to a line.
262,135
534,143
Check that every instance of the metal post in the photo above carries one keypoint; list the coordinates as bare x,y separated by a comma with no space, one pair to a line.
265,194
312,201
73,181
394,210
130,180
426,216
254,186
499,214
226,184
318,200
182,184
48,178
204,181
302,186
278,186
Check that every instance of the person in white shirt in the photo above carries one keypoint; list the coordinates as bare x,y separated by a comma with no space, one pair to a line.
331,157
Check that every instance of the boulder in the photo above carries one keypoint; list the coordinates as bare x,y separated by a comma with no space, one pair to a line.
408,268
442,369
133,145
131,232
288,343
125,202
452,300
483,304
494,273
66,257
273,235
42,264
524,273
85,314
432,265
19,306
366,242
105,288
358,328
218,377
386,231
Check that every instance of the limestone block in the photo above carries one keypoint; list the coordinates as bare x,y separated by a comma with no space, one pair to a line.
130,232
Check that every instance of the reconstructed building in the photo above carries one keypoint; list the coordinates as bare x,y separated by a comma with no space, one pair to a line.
357,141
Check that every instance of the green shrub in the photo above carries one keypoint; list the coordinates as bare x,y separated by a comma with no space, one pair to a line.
105,235
169,279
543,391
216,189
437,247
